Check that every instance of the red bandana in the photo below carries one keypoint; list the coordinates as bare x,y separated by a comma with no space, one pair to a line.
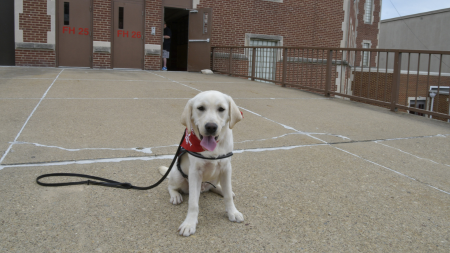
192,143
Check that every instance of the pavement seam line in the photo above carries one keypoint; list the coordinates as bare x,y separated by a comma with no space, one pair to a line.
418,157
384,167
141,150
174,81
26,122
163,156
330,144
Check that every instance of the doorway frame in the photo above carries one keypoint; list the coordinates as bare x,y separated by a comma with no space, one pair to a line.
91,34
144,2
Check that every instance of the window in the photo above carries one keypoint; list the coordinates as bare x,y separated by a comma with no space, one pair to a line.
205,23
368,11
66,13
420,105
266,59
120,17
366,57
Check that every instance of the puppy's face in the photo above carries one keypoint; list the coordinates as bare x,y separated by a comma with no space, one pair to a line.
209,112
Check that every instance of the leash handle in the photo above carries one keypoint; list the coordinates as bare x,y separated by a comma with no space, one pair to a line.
106,182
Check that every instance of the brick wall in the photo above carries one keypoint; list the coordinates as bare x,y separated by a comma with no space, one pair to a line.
34,21
441,105
102,20
101,60
37,58
153,18
35,24
301,23
378,86
152,62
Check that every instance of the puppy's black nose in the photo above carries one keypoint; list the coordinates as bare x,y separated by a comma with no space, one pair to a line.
211,128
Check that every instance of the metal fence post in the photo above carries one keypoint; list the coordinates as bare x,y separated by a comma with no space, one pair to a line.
231,56
253,63
283,80
328,72
395,88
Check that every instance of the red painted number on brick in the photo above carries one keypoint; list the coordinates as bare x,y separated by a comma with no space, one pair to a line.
71,30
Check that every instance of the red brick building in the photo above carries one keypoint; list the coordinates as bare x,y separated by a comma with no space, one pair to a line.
129,33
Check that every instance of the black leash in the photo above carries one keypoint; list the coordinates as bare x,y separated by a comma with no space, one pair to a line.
204,157
106,182
115,184
184,151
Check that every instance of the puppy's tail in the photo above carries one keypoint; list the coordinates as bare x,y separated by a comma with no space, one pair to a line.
163,170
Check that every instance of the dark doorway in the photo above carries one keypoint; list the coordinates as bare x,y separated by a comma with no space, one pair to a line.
178,21
7,48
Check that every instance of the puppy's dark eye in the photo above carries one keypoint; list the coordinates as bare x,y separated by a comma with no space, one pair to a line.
201,108
221,109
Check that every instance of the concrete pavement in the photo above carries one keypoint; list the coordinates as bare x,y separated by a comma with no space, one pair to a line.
310,173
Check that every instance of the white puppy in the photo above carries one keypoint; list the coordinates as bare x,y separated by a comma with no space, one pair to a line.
210,115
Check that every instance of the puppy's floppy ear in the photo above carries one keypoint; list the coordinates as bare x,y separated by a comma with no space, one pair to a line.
186,118
235,113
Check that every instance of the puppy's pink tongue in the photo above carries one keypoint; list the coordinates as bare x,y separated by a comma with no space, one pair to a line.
209,143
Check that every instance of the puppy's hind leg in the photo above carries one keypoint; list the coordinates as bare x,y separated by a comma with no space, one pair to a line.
176,183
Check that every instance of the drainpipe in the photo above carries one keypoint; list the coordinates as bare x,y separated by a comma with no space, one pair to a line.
432,95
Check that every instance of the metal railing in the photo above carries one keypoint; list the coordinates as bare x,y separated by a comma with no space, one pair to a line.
414,81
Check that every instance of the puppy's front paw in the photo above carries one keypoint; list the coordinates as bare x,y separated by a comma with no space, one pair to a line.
235,216
187,228
176,198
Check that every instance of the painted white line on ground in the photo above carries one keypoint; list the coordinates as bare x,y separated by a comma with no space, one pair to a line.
147,150
295,133
418,157
174,81
285,126
399,173
24,78
20,98
240,151
145,158
141,150
26,122
308,134
79,162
